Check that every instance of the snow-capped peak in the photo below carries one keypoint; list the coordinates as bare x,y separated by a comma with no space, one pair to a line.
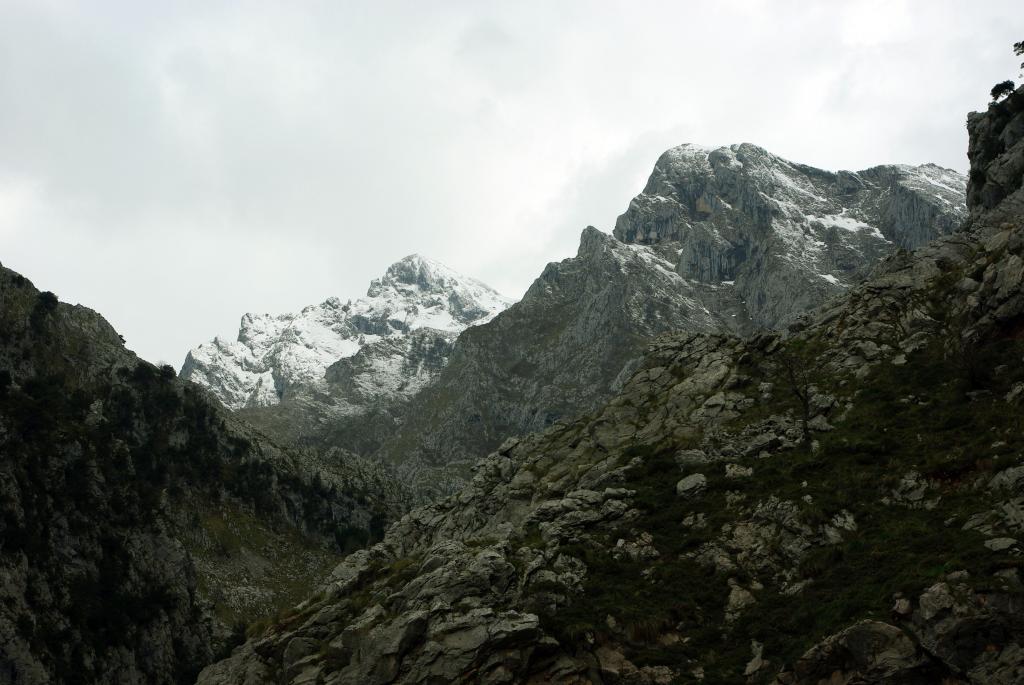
277,354
417,271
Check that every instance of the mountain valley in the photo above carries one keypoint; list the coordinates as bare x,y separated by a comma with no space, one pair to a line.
836,502
766,430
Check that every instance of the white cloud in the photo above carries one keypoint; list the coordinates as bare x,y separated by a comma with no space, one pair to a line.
175,167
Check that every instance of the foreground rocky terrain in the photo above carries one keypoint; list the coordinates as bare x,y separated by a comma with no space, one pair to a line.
840,503
733,240
139,521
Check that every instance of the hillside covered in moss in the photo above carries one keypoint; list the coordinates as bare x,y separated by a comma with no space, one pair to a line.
141,526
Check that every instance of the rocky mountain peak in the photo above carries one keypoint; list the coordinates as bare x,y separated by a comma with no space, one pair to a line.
416,270
787,235
417,281
691,183
275,355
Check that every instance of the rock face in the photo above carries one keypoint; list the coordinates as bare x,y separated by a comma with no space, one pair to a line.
951,636
853,497
782,234
277,358
127,499
997,154
729,240
565,345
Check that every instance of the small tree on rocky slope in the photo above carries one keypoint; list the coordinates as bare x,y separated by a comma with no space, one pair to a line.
796,365
1001,90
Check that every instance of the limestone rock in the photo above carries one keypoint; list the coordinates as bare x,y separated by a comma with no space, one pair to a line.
691,485
868,652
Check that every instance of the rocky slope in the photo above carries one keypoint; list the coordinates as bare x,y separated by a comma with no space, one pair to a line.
137,518
568,342
840,503
729,240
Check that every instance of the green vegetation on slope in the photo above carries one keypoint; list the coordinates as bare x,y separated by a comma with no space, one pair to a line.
941,415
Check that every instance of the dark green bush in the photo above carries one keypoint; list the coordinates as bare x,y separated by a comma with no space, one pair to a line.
1001,90
46,304
47,301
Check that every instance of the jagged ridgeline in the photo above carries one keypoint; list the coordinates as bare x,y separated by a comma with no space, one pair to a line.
139,521
730,240
839,503
427,371
339,374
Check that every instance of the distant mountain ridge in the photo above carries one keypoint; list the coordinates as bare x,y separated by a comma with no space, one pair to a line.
280,357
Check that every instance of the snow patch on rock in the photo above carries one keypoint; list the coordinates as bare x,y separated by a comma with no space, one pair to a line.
275,354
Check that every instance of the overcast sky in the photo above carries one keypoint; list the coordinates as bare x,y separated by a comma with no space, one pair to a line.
174,165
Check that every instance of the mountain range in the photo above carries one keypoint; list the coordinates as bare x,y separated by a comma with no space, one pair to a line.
767,430
837,502
732,239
